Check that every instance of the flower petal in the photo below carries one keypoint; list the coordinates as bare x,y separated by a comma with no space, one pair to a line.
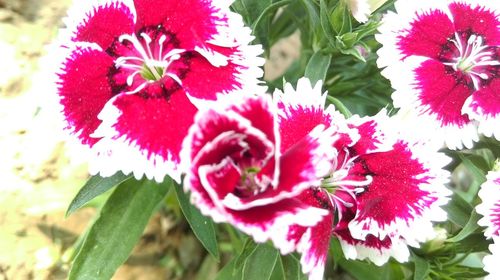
481,20
490,206
300,111
484,107
84,90
405,194
377,251
152,128
104,23
491,261
427,35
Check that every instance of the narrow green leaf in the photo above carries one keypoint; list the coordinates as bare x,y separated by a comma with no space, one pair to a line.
94,187
422,268
325,23
229,273
118,228
458,210
248,248
317,67
472,243
473,164
339,106
202,226
292,268
260,264
314,18
468,229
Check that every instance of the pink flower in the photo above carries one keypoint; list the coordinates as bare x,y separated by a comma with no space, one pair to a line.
238,172
490,209
442,58
132,72
389,191
382,194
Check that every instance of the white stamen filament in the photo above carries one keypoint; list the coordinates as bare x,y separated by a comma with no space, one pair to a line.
471,56
148,60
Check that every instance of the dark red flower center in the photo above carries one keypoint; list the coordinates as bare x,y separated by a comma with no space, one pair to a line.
148,62
469,54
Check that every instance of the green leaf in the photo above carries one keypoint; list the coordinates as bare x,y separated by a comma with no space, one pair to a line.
458,210
202,226
468,229
325,23
248,248
118,228
260,264
229,273
94,187
339,106
422,268
278,271
254,12
317,67
292,268
340,18
472,243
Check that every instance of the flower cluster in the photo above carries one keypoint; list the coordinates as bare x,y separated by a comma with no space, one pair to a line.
156,90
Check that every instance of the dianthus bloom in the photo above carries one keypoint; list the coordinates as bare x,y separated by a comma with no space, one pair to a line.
490,209
132,72
442,58
237,171
382,193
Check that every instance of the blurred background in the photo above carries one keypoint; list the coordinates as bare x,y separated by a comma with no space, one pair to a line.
40,173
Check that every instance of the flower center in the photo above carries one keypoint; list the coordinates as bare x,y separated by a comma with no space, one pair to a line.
148,58
474,58
341,179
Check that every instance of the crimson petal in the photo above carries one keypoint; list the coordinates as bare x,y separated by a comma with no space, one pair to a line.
157,125
192,21
478,20
84,89
105,23
443,91
428,34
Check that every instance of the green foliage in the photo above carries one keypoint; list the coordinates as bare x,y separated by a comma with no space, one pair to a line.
117,229
202,226
94,187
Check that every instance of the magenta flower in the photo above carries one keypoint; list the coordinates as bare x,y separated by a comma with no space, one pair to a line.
132,73
382,194
442,59
238,173
490,209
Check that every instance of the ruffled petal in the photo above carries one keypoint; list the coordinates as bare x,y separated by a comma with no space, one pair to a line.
490,206
105,23
427,35
373,249
478,19
491,261
83,89
143,135
405,194
300,111
484,106
204,81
